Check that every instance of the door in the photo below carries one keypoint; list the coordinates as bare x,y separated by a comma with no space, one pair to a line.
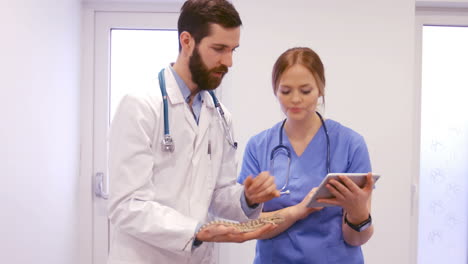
129,48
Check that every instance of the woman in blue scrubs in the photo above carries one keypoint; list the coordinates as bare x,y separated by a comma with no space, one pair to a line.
310,235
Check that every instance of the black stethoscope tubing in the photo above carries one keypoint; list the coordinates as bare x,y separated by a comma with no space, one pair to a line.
282,146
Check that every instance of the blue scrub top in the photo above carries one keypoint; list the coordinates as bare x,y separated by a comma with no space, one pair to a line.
317,238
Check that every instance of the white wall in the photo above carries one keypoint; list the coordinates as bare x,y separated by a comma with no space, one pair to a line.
39,131
367,47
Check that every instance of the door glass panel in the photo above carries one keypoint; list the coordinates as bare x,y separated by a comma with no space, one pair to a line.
137,56
443,200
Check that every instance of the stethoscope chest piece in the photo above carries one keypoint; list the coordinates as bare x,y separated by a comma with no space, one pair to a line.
167,144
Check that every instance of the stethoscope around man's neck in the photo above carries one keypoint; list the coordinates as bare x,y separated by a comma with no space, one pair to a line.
167,142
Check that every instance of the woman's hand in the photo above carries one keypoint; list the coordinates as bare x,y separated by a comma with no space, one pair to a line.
291,215
300,210
353,199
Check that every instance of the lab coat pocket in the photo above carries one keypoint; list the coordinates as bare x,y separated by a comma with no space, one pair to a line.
203,184
210,179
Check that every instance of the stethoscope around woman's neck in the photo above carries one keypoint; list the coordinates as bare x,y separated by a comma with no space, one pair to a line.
281,147
167,142
326,136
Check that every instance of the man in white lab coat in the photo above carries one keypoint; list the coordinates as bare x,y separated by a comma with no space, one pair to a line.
160,198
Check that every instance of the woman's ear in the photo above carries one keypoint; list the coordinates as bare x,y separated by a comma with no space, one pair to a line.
187,43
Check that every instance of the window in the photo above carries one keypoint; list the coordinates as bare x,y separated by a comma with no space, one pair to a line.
443,180
136,57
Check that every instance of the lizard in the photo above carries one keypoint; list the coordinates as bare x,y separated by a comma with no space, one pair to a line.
243,227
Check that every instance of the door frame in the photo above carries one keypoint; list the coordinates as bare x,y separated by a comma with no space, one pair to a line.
95,71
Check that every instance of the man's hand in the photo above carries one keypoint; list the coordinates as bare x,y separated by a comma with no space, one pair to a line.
222,233
260,189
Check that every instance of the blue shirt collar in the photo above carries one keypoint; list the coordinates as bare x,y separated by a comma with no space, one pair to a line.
197,100
184,88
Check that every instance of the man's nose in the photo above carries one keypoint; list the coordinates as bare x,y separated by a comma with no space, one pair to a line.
226,59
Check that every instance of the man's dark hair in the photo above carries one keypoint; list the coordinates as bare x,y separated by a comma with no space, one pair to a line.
196,16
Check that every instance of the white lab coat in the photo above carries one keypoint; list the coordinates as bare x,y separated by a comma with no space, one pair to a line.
157,198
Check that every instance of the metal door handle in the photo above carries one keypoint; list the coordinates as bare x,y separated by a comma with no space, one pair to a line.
99,186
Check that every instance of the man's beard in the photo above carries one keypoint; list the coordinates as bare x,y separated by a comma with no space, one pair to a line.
201,75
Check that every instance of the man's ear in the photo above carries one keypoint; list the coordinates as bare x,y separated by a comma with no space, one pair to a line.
187,42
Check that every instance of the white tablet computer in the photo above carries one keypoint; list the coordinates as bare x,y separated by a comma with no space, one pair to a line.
323,192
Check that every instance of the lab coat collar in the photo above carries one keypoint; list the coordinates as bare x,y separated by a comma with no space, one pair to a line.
176,97
172,88
207,100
